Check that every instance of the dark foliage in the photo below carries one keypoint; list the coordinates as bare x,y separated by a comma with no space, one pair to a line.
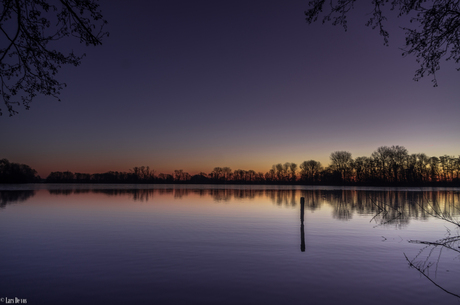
16,173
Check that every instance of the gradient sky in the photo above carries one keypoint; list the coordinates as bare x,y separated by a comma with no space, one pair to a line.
247,84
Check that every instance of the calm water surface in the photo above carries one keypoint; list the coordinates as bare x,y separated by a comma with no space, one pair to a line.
177,244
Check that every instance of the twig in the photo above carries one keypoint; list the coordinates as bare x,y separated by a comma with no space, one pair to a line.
423,273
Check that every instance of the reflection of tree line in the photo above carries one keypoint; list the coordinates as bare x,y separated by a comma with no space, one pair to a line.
287,197
7,197
393,208
389,207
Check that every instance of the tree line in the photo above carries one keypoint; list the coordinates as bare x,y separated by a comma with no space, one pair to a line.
386,166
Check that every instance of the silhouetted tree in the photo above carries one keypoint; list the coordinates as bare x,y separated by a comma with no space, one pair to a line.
382,157
201,178
292,172
457,168
28,64
240,175
251,175
361,168
81,177
398,162
310,171
421,171
260,177
342,163
447,167
178,175
135,174
286,170
165,178
331,176
16,173
216,173
434,168
279,169
270,176
435,33
387,166
181,176
226,173
61,177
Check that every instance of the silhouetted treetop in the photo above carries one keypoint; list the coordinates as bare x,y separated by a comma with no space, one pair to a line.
435,33
16,173
28,64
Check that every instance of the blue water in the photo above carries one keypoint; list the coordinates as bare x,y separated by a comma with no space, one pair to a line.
112,244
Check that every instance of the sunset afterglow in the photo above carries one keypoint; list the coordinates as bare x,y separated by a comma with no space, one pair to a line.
245,85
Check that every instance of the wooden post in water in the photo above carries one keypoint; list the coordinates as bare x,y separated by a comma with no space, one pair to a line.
302,230
302,208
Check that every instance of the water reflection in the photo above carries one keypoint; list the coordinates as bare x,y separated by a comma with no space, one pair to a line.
429,261
302,227
389,208
8,197
238,235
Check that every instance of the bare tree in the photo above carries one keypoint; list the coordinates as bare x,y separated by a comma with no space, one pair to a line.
216,173
178,175
360,167
28,65
279,171
399,157
309,170
341,162
434,168
383,157
421,167
434,32
251,174
227,172
293,171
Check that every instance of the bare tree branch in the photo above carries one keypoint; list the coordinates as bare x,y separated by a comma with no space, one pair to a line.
435,34
27,65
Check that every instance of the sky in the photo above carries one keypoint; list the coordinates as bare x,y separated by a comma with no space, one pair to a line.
194,85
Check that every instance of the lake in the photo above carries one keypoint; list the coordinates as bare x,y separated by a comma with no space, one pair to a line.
221,244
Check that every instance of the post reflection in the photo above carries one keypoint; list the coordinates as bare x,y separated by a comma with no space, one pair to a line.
302,228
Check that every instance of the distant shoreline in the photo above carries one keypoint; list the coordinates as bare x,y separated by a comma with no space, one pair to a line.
231,183
387,166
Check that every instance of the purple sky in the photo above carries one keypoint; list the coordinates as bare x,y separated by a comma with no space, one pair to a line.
247,84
